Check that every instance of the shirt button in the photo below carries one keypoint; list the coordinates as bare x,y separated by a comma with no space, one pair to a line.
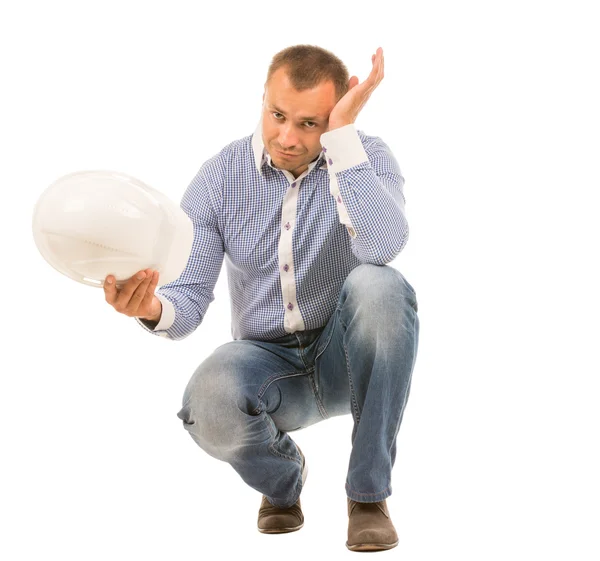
287,226
351,231
330,161
294,184
324,149
286,268
290,306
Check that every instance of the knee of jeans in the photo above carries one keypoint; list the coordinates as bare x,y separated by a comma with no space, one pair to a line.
214,410
379,286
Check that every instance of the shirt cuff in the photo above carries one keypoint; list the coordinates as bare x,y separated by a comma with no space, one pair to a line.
343,148
167,316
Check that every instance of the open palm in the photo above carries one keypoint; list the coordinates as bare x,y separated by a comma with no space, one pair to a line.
349,106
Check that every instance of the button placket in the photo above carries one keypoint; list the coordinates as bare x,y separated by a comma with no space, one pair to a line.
293,320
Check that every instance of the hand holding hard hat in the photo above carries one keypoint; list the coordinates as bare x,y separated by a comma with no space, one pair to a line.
93,224
136,298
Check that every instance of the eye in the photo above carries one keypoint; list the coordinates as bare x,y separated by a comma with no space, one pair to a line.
274,115
311,123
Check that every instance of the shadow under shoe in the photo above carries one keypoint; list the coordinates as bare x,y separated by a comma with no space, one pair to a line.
370,527
275,520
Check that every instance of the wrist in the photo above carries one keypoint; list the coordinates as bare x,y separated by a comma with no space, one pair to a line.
339,124
156,317
151,319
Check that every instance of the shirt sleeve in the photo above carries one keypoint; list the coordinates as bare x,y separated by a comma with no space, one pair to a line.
186,299
367,184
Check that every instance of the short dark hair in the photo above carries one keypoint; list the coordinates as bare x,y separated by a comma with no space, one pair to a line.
307,66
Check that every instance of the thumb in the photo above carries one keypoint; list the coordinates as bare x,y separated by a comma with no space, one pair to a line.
352,82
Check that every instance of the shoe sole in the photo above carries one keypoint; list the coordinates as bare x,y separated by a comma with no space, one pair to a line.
370,546
280,530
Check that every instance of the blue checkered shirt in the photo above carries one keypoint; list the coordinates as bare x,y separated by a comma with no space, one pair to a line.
288,243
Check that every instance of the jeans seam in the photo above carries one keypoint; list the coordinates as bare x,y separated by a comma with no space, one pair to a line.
273,432
355,407
268,382
277,453
319,353
322,408
320,405
354,402
300,353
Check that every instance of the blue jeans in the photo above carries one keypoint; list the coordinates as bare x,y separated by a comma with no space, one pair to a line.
244,399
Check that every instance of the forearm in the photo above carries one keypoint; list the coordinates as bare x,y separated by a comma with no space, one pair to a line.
368,193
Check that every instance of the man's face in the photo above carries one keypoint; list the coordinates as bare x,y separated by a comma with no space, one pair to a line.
294,121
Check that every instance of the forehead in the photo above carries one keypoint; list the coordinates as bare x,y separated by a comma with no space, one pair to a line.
314,102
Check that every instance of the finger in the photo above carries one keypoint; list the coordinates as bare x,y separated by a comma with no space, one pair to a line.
373,78
139,294
379,66
379,60
372,83
110,289
128,290
147,301
373,75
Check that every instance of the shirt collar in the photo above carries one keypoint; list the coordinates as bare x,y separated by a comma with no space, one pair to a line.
260,153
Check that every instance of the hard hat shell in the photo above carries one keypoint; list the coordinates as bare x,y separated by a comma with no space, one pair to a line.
91,224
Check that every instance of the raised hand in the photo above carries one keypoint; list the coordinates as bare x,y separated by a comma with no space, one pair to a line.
349,106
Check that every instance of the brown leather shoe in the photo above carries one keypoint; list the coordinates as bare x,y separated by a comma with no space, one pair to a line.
370,527
275,520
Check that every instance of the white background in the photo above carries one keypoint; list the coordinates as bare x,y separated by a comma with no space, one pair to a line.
492,112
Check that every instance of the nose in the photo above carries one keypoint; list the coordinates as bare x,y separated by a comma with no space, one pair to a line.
287,139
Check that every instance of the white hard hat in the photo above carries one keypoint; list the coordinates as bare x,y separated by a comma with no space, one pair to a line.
91,224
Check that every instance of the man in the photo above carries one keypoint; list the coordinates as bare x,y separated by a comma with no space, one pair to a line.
306,212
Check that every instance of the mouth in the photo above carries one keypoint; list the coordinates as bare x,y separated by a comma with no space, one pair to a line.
284,155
